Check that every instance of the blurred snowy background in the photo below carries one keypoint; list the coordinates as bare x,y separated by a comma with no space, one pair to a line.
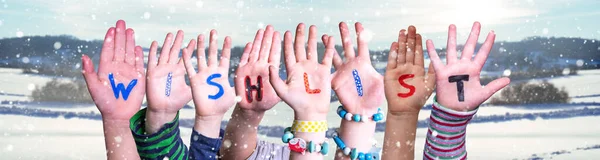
549,49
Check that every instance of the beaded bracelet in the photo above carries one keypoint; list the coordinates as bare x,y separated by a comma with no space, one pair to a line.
357,117
299,145
352,152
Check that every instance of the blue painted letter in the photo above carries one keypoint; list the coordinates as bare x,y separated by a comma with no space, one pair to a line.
169,81
357,82
210,82
120,87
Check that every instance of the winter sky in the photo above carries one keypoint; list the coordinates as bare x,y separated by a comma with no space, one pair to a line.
512,20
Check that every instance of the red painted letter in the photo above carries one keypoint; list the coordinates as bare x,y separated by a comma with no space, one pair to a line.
307,86
411,89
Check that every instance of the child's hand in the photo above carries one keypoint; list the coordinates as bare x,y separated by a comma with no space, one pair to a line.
252,76
167,90
356,83
308,85
407,85
118,87
213,95
458,85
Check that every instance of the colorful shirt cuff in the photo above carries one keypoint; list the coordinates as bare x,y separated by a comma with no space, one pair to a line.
162,144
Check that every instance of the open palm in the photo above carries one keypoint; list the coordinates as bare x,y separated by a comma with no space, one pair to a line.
124,61
465,70
308,81
407,86
167,90
356,83
213,95
265,51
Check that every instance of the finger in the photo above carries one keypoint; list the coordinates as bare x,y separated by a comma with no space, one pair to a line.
152,61
451,46
189,48
120,42
469,47
430,77
401,48
201,53
337,60
393,55
312,44
176,48
278,85
299,43
485,49
108,47
226,53
213,49
419,57
139,59
329,51
130,47
363,48
245,54
346,41
275,53
189,68
433,56
496,85
164,52
288,50
267,41
410,45
254,53
88,70
91,78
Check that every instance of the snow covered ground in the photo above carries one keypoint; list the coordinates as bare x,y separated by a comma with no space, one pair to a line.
25,137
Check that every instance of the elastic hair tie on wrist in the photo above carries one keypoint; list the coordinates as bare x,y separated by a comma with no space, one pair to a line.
357,117
299,145
352,152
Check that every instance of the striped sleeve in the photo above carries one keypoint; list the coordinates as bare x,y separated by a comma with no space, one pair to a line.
446,136
166,143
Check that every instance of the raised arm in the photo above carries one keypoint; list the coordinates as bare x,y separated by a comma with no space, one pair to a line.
459,94
407,87
257,95
212,94
117,88
156,128
307,92
360,90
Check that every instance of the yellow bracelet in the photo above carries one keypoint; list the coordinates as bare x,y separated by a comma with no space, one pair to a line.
309,126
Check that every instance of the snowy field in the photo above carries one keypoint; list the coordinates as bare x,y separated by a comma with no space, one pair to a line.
24,137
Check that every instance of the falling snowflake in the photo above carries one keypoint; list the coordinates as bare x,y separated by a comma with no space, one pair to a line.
25,59
199,4
506,72
31,86
146,15
19,34
326,19
57,45
579,63
239,4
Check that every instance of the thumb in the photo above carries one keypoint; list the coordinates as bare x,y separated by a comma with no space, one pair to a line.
278,84
88,70
430,78
496,85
